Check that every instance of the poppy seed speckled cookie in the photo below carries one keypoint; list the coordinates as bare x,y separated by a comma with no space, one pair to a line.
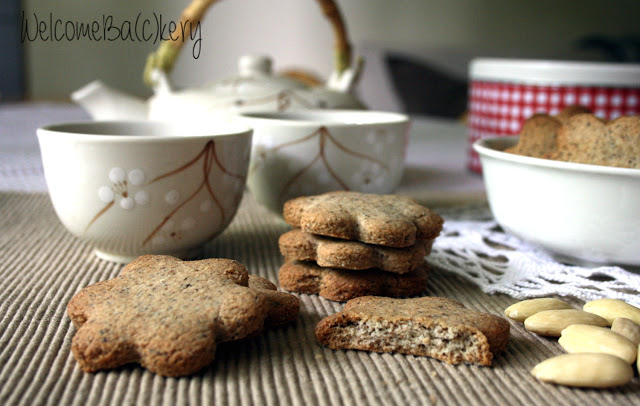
425,326
539,133
341,285
168,315
589,140
537,137
344,254
389,220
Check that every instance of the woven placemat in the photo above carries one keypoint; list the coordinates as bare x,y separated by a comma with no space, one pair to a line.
42,267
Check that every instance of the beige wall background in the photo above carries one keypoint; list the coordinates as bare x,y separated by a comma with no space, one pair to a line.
296,34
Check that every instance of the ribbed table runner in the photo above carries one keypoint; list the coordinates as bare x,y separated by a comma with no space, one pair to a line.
42,266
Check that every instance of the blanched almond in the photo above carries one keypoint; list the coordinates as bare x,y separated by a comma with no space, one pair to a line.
611,309
585,338
552,322
627,328
585,370
521,310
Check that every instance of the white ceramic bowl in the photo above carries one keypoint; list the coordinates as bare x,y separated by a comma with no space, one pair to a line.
315,151
133,188
583,214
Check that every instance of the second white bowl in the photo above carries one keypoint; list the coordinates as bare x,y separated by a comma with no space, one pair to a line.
311,152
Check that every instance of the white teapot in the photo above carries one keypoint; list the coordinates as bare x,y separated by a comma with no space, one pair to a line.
253,88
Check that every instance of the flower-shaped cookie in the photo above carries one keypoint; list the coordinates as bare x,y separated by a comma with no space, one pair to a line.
168,315
425,326
355,255
587,139
389,220
341,285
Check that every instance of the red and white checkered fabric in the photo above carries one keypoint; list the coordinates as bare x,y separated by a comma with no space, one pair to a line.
499,109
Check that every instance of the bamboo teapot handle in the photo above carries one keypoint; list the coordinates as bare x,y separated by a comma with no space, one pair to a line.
165,56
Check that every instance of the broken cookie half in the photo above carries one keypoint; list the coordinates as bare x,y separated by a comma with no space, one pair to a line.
426,326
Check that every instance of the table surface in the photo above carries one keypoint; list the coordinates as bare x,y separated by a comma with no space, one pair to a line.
43,266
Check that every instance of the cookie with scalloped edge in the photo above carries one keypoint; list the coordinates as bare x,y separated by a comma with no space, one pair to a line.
341,285
425,326
389,220
570,111
169,315
537,137
345,254
587,139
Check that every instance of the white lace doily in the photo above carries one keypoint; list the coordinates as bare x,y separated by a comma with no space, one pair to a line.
473,246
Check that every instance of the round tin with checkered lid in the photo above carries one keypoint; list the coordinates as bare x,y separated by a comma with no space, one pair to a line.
505,92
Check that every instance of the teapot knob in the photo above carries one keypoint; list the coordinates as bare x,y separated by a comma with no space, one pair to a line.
252,64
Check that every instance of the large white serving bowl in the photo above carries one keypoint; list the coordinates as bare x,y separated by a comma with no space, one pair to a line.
134,188
585,214
309,152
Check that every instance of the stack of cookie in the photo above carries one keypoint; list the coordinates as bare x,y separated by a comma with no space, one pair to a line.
348,244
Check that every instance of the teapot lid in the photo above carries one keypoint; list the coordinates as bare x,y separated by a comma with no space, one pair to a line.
251,64
254,77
